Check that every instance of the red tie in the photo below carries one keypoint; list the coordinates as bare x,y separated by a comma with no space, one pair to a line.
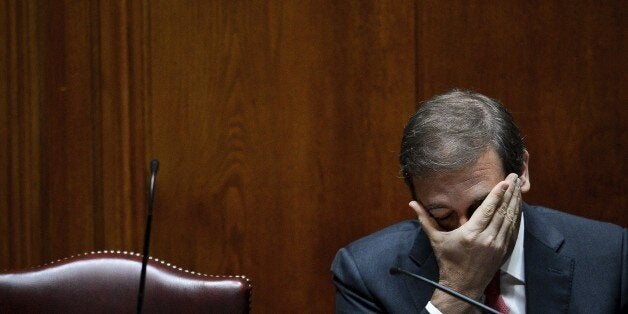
493,296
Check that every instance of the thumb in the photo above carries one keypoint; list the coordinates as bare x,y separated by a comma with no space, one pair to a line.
428,223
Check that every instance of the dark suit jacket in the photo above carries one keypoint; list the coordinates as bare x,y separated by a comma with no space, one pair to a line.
572,265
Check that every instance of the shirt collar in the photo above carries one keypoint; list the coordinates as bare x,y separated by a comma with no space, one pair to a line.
514,264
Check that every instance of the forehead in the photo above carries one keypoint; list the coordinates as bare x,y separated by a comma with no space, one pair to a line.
461,185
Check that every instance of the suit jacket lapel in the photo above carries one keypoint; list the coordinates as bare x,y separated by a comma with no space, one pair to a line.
422,262
548,274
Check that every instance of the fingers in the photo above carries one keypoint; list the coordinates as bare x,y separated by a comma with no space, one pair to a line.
499,218
511,218
428,223
486,212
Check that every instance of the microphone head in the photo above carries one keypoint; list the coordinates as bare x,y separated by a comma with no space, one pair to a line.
394,271
154,166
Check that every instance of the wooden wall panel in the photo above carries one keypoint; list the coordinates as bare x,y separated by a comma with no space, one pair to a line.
560,67
74,128
122,97
68,114
277,129
277,123
19,136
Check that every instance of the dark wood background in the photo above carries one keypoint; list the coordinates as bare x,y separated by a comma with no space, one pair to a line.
277,123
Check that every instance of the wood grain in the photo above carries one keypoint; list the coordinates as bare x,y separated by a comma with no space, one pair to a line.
19,135
272,128
277,123
560,68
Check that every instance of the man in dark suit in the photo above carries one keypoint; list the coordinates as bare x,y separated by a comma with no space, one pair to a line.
465,164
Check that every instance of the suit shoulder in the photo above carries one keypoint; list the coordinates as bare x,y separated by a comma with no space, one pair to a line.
361,271
569,223
583,237
387,242
399,232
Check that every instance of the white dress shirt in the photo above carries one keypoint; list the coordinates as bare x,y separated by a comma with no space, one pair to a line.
511,281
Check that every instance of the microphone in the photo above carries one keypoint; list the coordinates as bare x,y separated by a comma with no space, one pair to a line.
460,296
154,167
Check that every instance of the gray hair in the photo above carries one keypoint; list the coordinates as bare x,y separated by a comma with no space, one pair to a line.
451,130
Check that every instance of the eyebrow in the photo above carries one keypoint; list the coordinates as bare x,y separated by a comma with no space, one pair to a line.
480,199
476,203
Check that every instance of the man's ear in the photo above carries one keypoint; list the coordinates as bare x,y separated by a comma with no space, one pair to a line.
525,172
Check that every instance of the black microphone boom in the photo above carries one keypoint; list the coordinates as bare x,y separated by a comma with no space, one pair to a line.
397,270
154,167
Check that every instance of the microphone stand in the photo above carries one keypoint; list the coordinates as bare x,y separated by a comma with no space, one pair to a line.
154,167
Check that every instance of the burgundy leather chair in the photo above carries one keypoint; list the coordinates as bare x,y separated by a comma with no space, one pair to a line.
108,282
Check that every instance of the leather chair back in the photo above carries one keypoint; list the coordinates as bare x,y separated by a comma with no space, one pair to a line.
108,282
